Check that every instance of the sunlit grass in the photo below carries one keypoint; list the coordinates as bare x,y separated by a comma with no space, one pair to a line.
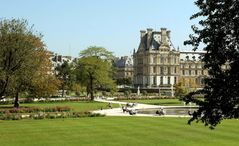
79,106
117,131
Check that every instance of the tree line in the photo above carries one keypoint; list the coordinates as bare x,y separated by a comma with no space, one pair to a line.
25,66
92,71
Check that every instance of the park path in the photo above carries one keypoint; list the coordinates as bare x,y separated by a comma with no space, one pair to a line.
119,111
122,103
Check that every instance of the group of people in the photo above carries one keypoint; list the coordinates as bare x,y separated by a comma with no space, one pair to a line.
133,111
160,111
130,111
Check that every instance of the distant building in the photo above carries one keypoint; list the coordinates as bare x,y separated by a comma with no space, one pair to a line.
192,73
158,64
59,59
124,67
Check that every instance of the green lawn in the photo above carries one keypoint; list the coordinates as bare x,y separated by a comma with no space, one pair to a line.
157,101
80,106
117,131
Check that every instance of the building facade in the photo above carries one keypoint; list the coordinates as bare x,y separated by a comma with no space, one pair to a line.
57,59
192,73
157,63
124,67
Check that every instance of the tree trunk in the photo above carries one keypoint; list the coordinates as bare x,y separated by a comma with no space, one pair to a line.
16,102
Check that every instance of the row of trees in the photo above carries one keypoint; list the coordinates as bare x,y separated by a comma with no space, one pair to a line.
93,71
25,66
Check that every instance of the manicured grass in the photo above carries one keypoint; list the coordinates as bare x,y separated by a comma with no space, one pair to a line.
117,131
157,101
80,106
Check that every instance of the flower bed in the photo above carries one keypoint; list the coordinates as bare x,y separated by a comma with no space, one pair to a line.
43,113
36,109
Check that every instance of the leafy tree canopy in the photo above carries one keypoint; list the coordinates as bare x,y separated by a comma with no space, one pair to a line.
44,82
100,52
94,73
21,55
218,31
65,73
124,81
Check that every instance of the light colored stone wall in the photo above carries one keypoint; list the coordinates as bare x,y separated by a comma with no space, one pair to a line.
163,65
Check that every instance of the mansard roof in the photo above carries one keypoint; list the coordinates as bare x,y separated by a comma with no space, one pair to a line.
155,40
124,61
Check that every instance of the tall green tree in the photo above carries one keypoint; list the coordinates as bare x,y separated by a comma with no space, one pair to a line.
218,34
65,74
19,45
94,73
94,70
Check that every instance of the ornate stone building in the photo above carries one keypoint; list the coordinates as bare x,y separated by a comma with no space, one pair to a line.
124,67
157,63
192,73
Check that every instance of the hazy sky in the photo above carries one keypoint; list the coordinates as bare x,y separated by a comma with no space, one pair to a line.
70,26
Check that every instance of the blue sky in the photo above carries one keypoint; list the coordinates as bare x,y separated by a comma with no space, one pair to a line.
70,26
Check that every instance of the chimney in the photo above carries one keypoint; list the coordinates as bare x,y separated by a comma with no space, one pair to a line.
142,33
164,35
168,33
149,30
149,38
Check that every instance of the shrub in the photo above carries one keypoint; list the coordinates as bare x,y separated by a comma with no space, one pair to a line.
144,92
28,100
77,93
50,116
104,93
10,116
63,109
16,116
127,93
42,113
